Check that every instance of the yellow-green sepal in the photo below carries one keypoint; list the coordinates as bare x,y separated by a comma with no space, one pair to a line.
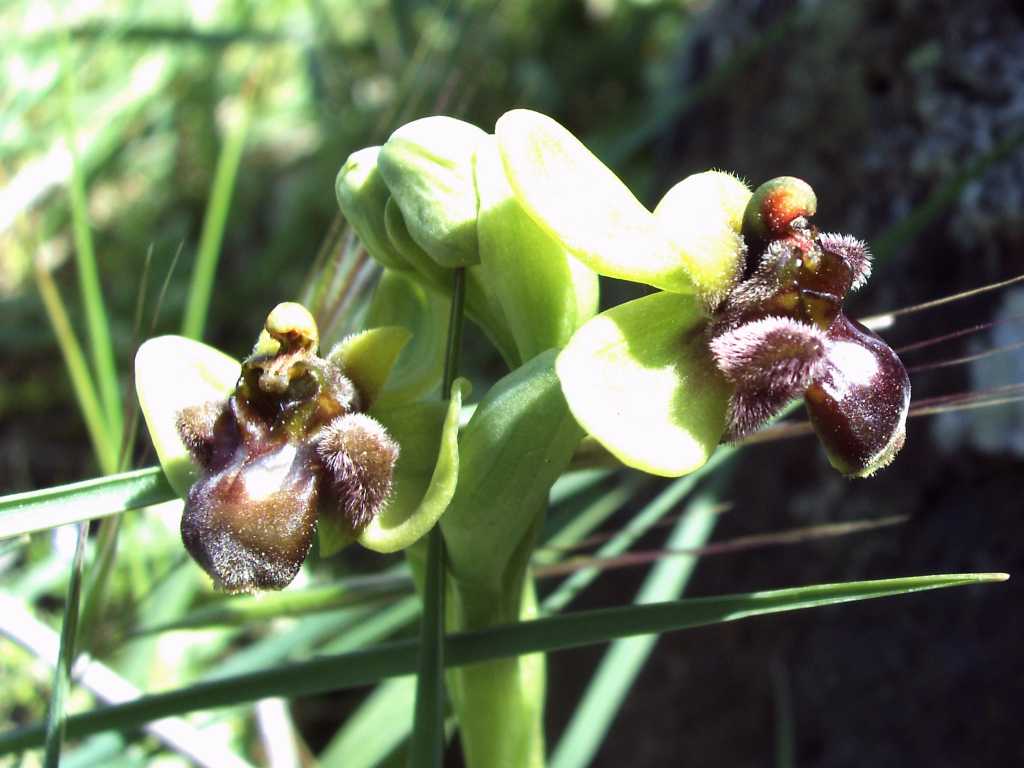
426,472
585,206
428,166
362,195
172,373
702,216
545,293
367,358
640,380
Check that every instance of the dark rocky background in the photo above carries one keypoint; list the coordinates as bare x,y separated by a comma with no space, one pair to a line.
879,105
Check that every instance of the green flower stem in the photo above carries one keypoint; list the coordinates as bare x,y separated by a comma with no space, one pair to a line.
427,742
519,440
500,704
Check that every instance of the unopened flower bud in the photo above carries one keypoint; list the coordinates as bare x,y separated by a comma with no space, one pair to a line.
775,205
428,167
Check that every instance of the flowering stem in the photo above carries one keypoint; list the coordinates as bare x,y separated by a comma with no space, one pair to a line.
427,742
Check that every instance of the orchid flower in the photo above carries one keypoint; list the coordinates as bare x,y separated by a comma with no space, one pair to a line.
748,318
268,451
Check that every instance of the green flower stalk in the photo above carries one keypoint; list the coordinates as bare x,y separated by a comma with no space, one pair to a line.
267,451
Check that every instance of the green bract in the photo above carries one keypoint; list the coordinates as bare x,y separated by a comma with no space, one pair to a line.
638,377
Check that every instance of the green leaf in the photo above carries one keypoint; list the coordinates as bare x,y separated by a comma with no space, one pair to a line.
425,475
367,358
428,166
362,196
585,206
172,372
23,513
702,215
517,443
573,630
544,292
400,300
640,380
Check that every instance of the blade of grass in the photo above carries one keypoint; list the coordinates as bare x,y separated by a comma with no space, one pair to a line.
908,227
427,742
785,756
17,623
380,625
97,322
637,527
52,507
573,630
210,239
245,610
56,718
586,520
622,662
78,371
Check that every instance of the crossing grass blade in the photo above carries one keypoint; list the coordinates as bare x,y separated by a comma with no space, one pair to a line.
32,511
622,662
570,630
224,178
97,322
56,718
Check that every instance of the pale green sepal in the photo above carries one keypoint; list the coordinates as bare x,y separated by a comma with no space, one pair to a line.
362,195
702,216
585,206
171,373
481,305
428,166
425,475
399,299
639,378
545,293
367,358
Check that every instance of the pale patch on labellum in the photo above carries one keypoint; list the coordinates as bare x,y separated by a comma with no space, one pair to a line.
264,476
360,457
860,368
